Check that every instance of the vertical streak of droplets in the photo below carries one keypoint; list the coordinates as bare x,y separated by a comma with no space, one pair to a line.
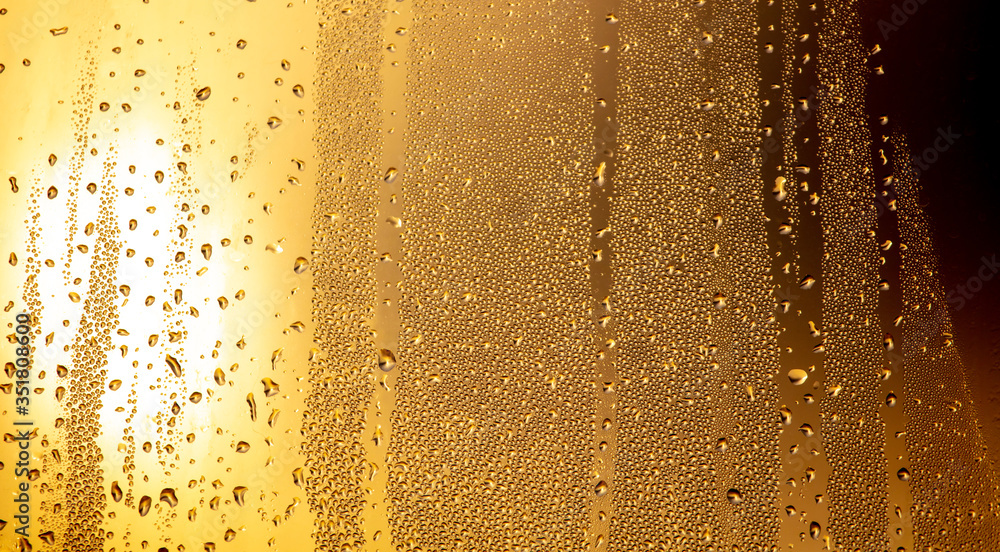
853,432
606,52
84,496
955,490
90,349
348,116
900,529
491,446
798,260
744,392
696,462
378,412
784,133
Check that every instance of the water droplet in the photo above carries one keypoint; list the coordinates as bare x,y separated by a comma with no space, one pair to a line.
238,494
779,188
174,365
601,489
814,530
807,282
386,360
270,387
797,376
169,496
786,415
301,265
599,173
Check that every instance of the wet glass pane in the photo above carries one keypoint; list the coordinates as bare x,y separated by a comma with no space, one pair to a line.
578,275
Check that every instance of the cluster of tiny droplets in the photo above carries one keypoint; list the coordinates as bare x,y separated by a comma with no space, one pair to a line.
955,491
348,118
493,422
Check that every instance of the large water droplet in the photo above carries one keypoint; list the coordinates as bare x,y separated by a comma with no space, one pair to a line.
386,360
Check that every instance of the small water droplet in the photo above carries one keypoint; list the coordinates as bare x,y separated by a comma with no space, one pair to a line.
238,494
601,489
301,265
169,496
174,365
386,360
270,387
797,376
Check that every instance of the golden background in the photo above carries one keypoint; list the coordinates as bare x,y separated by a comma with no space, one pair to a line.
409,275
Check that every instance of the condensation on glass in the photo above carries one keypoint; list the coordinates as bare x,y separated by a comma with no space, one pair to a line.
418,275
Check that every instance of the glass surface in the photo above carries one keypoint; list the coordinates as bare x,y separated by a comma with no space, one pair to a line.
407,275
